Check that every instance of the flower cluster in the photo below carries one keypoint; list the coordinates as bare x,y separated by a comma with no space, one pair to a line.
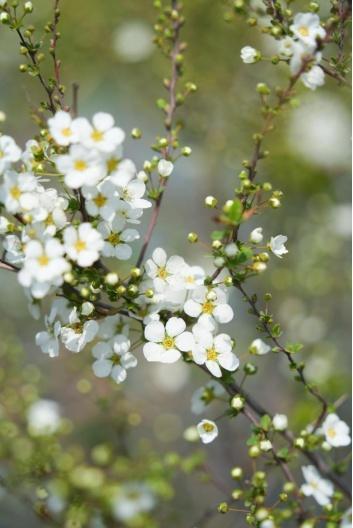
300,48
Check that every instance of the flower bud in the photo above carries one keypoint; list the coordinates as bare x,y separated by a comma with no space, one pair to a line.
186,151
265,445
112,278
135,273
4,18
136,133
193,237
28,7
274,202
223,507
299,443
263,89
149,293
211,201
250,369
217,244
254,452
236,473
237,402
237,494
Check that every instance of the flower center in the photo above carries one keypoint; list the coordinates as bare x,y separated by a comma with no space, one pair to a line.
162,273
100,200
80,245
112,164
15,192
208,307
212,354
190,279
331,432
43,260
80,165
67,132
97,135
2,154
168,343
116,359
49,220
304,31
114,239
208,427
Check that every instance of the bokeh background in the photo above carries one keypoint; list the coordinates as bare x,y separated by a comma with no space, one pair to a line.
106,47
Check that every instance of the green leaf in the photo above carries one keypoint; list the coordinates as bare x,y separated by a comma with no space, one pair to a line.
293,348
276,330
217,235
235,212
283,453
266,422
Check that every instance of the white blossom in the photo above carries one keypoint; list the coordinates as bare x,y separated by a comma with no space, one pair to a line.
165,168
81,166
256,236
48,340
321,489
101,200
207,430
259,347
209,302
313,78
306,27
43,417
166,342
132,499
214,352
83,244
101,135
249,55
9,152
117,244
18,192
280,422
336,431
163,271
61,129
204,395
113,358
77,334
277,246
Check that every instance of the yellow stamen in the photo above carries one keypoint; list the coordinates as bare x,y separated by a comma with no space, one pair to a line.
114,239
212,354
67,132
162,273
112,164
331,432
190,279
43,260
97,136
15,192
168,343
208,307
208,427
80,165
100,200
304,31
80,245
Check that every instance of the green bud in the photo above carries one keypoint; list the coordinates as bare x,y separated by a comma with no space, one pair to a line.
250,369
186,151
237,494
314,7
211,201
223,507
263,89
132,290
193,237
28,7
136,133
236,473
254,452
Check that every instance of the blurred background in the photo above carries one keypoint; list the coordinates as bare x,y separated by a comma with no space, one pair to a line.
106,47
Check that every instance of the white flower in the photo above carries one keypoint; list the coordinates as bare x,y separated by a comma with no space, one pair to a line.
43,417
166,342
4,225
265,445
346,521
130,189
192,276
280,422
209,302
125,213
117,244
78,334
259,347
207,430
165,168
286,47
101,200
204,395
256,236
277,246
14,249
231,250
164,272
314,78
81,167
44,262
131,500
112,325
267,523
306,27
18,192
249,55
321,489
9,152
48,340
214,352
103,135
83,244
60,127
336,431
113,358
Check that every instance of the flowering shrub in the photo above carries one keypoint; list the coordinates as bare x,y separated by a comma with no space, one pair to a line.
71,206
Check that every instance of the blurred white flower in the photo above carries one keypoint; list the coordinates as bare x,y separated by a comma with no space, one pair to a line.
280,422
277,246
259,347
43,417
336,431
131,500
313,78
249,55
321,489
256,235
133,41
